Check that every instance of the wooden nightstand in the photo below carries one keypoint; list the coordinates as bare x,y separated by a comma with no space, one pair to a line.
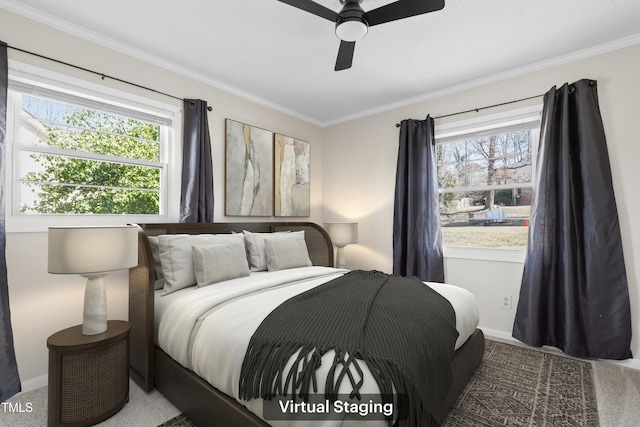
88,374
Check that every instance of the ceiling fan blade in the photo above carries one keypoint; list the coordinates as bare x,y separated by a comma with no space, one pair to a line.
314,8
345,55
401,9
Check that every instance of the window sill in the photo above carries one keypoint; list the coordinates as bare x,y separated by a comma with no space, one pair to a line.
485,254
41,223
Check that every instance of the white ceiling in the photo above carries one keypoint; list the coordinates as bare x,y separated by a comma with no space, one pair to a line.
283,57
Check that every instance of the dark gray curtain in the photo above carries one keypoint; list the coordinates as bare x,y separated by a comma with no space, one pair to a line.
9,378
574,293
417,238
196,201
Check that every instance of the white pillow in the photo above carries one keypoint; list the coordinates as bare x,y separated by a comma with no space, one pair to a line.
217,263
255,247
286,253
155,252
176,257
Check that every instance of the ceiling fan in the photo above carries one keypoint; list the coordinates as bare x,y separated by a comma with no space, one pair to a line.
352,22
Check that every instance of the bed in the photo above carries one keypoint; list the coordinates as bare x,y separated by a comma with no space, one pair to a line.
205,404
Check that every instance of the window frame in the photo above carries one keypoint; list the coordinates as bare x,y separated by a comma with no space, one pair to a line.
22,76
506,120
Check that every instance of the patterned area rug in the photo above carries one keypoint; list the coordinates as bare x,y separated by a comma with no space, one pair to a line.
517,386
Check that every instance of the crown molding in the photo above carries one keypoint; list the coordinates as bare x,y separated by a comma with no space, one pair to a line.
494,78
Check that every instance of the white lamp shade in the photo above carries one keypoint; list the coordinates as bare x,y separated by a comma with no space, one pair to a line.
92,250
342,233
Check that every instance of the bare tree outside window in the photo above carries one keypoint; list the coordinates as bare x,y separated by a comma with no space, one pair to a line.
486,185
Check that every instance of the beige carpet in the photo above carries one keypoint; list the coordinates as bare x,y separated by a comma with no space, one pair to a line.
179,421
142,410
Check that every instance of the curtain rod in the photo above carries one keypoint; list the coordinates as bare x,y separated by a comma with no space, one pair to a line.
102,75
484,108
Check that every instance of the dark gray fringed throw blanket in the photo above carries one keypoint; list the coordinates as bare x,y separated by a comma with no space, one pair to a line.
403,330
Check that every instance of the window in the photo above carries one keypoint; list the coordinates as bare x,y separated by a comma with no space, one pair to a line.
485,179
78,154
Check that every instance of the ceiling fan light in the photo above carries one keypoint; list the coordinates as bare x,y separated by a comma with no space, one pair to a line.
351,30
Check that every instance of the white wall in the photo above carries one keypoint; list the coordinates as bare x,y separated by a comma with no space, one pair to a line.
42,304
363,153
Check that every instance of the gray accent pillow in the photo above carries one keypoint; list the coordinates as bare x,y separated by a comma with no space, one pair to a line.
286,253
217,263
255,247
176,256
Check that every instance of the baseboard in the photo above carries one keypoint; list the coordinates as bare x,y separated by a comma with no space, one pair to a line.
494,333
505,336
629,363
34,383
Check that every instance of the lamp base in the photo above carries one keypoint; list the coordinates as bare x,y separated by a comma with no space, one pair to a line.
94,317
340,257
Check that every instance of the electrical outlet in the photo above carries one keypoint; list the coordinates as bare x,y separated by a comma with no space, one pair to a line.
506,302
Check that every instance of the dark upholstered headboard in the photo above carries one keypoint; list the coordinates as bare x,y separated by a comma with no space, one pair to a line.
142,277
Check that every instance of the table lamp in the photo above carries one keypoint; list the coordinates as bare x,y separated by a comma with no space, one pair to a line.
93,252
342,234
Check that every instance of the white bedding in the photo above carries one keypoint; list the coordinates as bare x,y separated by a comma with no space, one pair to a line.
208,329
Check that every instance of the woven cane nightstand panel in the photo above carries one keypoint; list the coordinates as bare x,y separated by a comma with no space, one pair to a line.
93,382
